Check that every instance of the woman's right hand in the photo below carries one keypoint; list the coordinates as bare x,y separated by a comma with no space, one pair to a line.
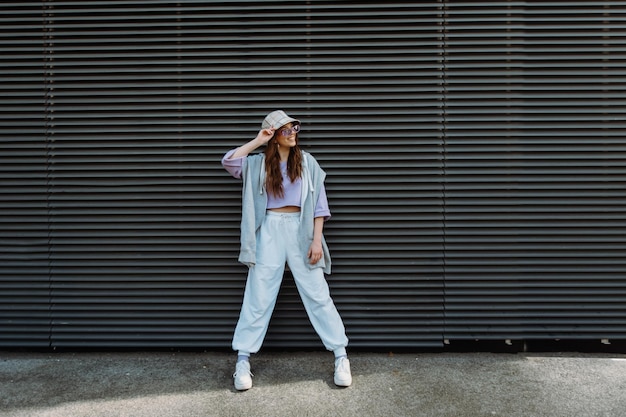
265,135
262,138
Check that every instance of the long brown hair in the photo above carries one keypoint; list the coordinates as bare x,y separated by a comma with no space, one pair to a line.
273,176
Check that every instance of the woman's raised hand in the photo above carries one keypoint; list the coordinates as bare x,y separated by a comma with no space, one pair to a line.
265,135
262,138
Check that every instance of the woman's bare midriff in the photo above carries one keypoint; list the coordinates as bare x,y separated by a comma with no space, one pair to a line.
286,209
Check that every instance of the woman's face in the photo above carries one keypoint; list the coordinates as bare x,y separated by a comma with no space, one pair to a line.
287,135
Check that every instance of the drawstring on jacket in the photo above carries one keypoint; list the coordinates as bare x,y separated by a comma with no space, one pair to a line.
262,177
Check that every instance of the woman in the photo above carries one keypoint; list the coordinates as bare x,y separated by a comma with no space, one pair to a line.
284,208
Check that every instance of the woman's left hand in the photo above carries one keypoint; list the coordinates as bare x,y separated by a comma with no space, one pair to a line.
315,253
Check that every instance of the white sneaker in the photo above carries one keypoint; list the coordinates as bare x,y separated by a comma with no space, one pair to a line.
243,376
343,377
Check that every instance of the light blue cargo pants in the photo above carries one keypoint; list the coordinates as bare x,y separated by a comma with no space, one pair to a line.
276,244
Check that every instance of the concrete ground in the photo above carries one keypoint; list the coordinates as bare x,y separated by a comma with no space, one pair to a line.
190,384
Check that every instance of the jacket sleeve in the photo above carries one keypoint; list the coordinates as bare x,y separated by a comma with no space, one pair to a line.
247,254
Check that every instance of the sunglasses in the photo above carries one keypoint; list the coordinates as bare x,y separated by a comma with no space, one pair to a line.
287,132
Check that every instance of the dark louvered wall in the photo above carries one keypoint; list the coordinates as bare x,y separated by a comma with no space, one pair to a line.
535,170
24,231
474,151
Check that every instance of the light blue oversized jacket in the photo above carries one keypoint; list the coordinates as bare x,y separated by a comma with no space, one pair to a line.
254,204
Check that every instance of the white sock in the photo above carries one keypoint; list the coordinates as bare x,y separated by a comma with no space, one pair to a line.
340,353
